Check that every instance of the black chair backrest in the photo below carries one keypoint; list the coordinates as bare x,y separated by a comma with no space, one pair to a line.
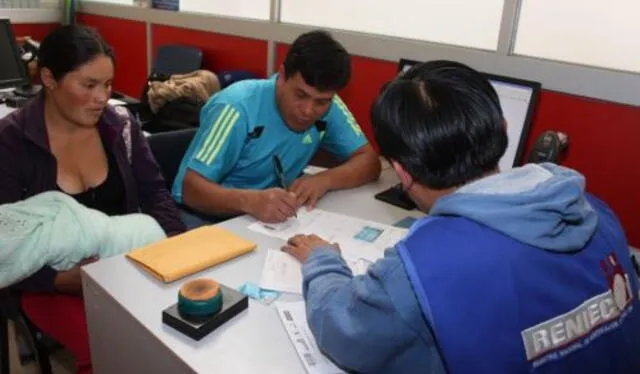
169,148
9,304
177,59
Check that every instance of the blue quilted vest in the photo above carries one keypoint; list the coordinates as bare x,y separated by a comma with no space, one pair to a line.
497,305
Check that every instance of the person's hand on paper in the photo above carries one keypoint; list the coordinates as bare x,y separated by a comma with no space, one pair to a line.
300,246
274,205
309,189
70,281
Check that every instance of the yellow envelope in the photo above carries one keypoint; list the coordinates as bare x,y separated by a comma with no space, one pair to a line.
188,253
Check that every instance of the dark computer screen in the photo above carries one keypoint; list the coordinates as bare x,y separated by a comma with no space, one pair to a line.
12,70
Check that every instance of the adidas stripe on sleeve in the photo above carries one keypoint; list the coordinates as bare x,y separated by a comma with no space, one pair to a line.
219,141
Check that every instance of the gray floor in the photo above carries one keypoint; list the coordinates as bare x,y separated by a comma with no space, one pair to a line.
61,362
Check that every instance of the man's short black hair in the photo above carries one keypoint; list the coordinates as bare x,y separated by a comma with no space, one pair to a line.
442,122
323,62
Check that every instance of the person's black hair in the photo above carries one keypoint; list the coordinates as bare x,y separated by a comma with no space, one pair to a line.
323,62
68,47
442,122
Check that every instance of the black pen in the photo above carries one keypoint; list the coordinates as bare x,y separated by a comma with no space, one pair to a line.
277,167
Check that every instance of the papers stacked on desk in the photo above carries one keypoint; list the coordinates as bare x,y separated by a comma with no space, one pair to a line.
358,238
283,273
361,242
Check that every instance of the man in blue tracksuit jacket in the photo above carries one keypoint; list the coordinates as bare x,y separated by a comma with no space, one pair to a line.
513,272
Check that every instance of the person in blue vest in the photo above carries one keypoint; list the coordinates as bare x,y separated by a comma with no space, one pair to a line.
511,272
229,168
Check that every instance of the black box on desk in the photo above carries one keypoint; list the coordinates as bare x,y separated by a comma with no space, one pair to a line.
233,302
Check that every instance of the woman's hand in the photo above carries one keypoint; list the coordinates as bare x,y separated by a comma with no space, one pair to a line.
70,281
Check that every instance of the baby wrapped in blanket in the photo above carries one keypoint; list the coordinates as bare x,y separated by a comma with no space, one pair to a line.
53,229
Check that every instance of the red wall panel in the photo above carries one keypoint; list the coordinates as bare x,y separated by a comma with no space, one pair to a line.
604,145
129,42
36,31
604,137
221,52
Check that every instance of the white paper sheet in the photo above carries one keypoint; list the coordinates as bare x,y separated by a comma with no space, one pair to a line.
294,319
361,242
357,238
283,273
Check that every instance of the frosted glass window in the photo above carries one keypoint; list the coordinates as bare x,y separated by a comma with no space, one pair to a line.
587,32
23,4
50,3
254,9
121,2
469,23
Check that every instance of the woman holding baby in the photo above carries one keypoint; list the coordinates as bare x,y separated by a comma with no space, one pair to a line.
68,139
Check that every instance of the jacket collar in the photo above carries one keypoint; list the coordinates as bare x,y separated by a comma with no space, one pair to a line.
35,129
34,124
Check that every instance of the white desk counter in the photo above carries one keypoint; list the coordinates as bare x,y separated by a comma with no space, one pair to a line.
4,110
124,305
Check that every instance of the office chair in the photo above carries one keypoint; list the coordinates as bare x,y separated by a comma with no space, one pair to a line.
168,148
177,59
10,310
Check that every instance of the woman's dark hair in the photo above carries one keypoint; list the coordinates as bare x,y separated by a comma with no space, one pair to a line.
69,47
442,122
323,62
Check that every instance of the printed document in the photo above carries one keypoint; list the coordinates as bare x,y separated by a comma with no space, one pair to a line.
283,273
357,238
294,319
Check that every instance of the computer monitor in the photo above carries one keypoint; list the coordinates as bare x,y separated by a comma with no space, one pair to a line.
13,71
518,99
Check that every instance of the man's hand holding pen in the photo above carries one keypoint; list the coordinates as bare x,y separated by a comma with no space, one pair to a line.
273,205
279,172
278,204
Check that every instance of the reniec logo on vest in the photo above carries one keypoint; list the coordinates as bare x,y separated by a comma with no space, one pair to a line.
569,332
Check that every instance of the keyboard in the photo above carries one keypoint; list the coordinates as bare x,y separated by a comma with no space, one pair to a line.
397,197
